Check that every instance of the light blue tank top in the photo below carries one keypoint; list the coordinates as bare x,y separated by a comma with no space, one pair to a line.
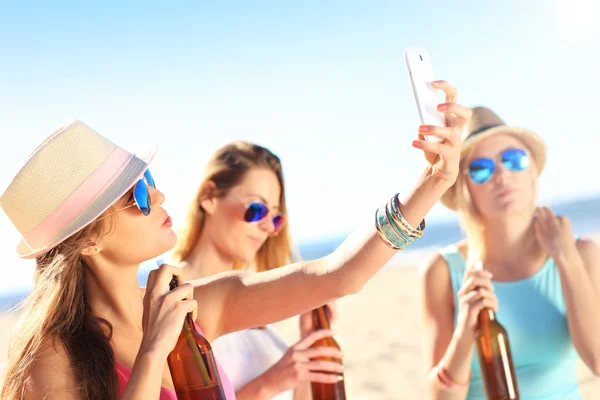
533,312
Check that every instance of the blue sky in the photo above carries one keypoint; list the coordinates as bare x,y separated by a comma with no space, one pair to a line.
323,84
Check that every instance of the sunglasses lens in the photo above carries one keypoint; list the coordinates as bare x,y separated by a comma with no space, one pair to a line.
149,178
277,222
255,212
515,159
481,170
142,197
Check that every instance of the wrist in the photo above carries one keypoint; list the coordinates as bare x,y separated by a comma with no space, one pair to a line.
148,360
442,182
454,371
441,374
463,337
151,351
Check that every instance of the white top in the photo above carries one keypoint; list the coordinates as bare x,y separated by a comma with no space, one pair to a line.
247,354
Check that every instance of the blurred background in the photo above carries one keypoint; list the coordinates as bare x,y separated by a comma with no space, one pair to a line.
324,86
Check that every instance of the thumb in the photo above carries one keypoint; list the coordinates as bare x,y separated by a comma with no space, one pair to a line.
305,324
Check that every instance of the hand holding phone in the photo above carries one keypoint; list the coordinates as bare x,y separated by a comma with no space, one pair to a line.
420,73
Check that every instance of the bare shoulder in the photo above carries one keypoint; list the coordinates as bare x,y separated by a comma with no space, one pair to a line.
589,250
586,245
434,278
52,375
435,266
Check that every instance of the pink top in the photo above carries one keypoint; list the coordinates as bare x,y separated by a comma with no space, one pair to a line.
123,374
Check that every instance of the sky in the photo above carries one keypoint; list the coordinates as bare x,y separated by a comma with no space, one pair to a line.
321,83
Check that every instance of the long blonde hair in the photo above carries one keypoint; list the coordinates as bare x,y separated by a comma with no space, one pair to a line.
226,168
58,313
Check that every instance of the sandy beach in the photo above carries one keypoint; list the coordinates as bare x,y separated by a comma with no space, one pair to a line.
380,334
379,331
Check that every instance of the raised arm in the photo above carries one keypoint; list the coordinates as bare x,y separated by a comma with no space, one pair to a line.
578,263
235,300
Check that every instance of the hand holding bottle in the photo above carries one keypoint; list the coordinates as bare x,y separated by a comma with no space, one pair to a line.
476,294
296,365
165,310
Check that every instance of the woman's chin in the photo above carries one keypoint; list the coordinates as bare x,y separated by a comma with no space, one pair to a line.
164,246
248,258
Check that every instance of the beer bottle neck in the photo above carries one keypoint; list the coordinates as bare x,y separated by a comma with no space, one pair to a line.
487,314
188,323
320,319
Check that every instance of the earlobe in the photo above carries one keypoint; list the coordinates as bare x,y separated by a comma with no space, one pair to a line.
92,250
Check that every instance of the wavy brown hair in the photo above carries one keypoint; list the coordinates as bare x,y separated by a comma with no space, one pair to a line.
57,313
226,168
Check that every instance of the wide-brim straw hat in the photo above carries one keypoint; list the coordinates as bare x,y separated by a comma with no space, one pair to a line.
483,124
66,183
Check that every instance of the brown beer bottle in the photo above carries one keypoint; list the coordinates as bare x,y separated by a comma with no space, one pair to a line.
326,391
192,364
495,359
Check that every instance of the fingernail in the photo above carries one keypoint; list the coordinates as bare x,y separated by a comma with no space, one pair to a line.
423,128
435,83
442,107
340,378
417,144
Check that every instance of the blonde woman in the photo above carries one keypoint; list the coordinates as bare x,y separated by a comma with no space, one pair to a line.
249,229
541,280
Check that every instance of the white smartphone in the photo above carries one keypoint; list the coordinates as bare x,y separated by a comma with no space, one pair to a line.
420,73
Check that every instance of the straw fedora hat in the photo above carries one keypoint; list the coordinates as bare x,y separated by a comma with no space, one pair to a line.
485,123
67,182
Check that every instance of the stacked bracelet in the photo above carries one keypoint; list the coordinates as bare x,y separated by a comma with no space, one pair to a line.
393,228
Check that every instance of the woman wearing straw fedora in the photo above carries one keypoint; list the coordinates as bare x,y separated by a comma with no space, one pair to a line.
238,219
90,213
541,280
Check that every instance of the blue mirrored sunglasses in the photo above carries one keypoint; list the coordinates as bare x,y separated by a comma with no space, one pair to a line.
141,195
481,170
256,211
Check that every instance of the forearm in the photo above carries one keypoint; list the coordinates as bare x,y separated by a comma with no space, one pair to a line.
257,389
363,254
343,272
146,377
581,299
457,363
